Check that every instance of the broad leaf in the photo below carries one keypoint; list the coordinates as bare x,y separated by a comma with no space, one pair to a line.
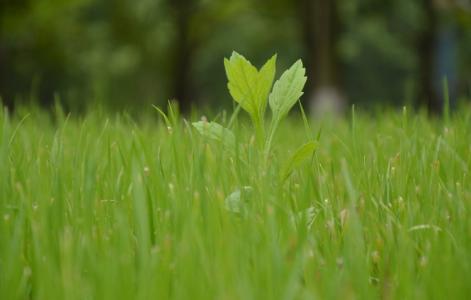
296,160
248,86
216,132
266,76
287,90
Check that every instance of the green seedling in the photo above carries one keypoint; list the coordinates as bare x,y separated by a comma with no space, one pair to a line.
252,90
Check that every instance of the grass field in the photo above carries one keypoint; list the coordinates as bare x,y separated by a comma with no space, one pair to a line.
104,207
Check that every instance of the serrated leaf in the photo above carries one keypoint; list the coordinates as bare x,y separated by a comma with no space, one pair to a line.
216,132
266,76
248,86
299,156
242,76
287,90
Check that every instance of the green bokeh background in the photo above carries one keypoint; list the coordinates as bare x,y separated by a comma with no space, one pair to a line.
129,54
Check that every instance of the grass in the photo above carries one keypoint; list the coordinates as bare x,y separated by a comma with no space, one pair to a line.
104,207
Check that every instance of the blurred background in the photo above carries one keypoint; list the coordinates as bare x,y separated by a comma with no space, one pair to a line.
127,54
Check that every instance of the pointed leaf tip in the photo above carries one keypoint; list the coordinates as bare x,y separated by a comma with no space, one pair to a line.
287,90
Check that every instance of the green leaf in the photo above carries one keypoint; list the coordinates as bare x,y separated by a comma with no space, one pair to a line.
248,86
216,132
287,90
234,202
296,160
266,76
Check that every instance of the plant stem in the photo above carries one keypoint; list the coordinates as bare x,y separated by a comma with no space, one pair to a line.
273,127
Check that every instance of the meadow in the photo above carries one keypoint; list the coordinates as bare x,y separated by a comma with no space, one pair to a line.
107,206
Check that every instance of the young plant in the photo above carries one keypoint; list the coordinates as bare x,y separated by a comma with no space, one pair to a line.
250,88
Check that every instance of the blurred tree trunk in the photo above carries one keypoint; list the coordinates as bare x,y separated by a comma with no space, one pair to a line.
4,99
183,51
321,30
426,51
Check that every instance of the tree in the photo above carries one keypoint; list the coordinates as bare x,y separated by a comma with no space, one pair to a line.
426,52
321,29
194,23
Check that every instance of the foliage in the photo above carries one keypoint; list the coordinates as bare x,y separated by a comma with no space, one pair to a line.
126,52
250,88
107,207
